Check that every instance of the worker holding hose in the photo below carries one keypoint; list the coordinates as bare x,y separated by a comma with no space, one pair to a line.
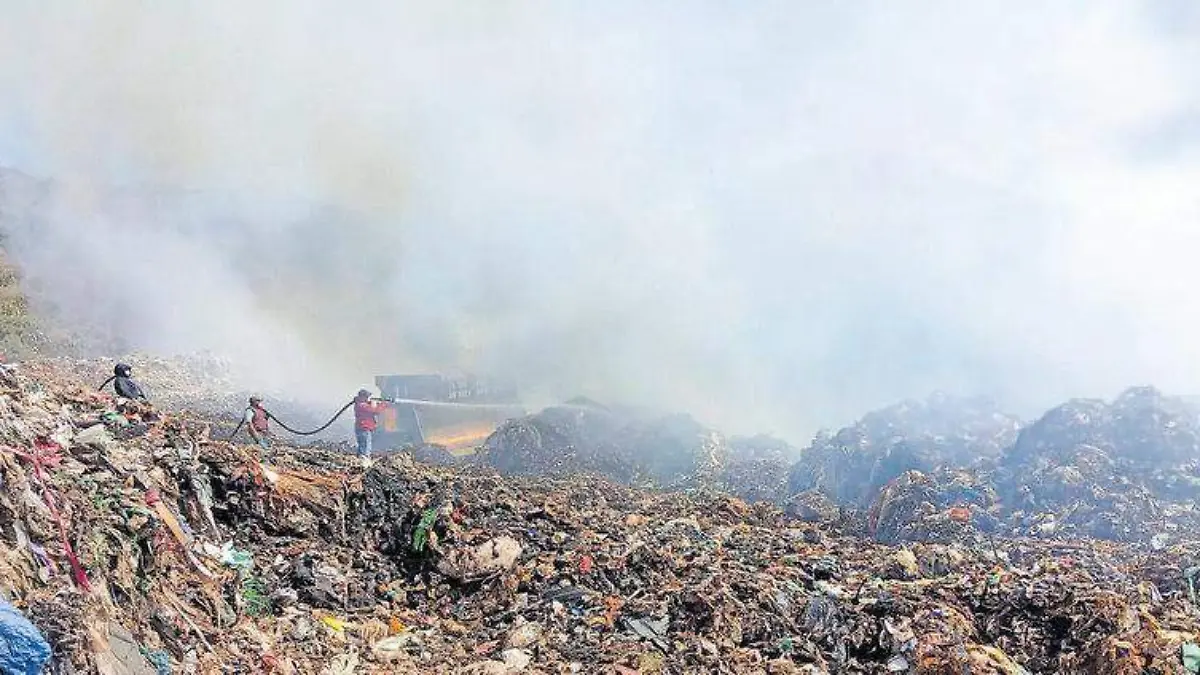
257,421
365,416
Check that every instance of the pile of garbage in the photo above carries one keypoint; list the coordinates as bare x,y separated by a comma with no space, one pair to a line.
852,466
937,470
757,468
1125,471
1128,471
585,438
946,505
133,542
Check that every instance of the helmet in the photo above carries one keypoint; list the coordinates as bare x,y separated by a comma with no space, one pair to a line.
122,370
362,393
255,399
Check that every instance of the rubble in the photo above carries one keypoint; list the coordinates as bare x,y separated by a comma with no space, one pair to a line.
1126,471
583,437
757,468
171,551
1129,470
851,466
671,452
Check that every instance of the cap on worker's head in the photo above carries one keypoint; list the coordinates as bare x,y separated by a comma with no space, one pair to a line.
363,393
121,369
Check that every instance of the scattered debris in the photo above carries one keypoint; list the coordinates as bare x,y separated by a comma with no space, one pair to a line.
672,452
204,556
851,466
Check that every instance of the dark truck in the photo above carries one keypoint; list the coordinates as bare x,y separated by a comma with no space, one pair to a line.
455,412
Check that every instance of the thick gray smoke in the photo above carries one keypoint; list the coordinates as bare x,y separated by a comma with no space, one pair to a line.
773,215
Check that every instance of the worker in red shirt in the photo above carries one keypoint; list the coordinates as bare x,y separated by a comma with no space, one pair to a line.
365,412
256,420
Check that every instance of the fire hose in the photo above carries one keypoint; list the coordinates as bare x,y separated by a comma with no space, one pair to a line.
318,430
285,427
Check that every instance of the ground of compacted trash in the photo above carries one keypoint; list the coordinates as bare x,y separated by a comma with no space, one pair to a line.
140,542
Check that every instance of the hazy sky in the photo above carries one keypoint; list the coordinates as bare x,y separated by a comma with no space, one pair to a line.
775,215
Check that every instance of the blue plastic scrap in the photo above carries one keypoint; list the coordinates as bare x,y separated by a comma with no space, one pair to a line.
159,659
23,650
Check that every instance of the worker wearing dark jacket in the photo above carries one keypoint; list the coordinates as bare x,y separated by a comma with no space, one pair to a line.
258,422
124,385
365,413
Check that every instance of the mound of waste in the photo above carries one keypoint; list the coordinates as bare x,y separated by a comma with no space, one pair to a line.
182,382
945,505
1142,427
131,542
673,452
852,466
757,468
559,440
587,438
1126,471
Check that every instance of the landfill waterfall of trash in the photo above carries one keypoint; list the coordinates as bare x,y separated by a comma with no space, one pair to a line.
936,536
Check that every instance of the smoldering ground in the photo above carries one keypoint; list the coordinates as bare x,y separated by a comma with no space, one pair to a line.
774,216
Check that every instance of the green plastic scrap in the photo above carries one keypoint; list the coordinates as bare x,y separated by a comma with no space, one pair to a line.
128,512
1190,653
102,502
111,417
239,560
786,646
421,536
242,561
254,595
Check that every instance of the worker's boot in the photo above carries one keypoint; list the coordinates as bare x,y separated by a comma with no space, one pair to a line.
366,462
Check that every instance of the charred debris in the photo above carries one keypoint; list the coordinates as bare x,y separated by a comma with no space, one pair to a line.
941,536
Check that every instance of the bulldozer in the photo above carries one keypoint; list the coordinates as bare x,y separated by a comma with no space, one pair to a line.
457,412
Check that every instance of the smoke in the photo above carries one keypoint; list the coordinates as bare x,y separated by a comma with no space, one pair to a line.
773,216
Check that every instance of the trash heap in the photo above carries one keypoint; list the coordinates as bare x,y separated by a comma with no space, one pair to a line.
560,440
583,437
757,468
852,466
945,505
1125,471
132,542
